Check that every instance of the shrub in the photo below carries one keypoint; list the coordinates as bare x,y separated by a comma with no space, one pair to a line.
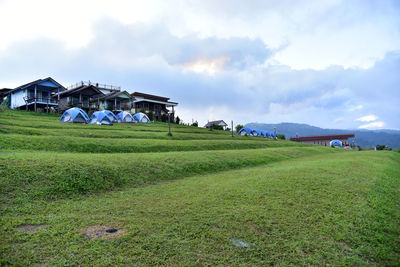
239,127
177,120
281,136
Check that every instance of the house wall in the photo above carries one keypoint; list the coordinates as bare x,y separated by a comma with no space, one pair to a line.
63,104
17,99
325,142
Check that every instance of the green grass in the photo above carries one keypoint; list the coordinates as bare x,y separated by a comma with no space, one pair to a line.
183,199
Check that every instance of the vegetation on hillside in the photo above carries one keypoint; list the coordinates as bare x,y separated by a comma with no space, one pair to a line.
199,197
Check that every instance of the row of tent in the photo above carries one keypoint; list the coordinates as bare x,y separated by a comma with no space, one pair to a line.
105,117
257,133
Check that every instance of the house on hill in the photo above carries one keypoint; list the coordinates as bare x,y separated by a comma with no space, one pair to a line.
35,95
220,123
152,103
116,101
81,96
323,140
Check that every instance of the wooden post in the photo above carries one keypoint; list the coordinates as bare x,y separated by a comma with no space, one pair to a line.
232,127
80,100
115,103
47,102
35,95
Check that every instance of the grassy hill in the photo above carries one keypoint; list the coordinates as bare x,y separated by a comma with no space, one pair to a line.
199,197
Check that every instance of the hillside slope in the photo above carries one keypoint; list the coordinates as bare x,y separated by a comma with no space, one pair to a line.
199,197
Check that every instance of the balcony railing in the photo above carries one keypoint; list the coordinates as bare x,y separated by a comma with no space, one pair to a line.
98,85
41,100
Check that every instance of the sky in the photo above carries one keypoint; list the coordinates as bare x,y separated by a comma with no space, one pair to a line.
328,63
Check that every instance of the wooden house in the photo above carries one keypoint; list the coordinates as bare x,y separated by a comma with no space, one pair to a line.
158,105
115,101
35,95
83,96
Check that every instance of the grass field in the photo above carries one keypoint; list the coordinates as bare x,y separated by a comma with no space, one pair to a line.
199,197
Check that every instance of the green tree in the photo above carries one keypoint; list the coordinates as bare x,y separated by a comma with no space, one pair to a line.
239,127
281,136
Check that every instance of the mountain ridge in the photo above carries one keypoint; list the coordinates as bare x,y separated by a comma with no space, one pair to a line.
363,137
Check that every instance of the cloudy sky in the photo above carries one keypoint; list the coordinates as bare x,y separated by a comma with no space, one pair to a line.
328,63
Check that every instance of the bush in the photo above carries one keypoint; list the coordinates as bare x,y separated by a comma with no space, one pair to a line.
217,127
239,127
196,124
150,114
177,120
281,136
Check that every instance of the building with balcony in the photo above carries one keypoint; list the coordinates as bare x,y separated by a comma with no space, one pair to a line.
83,96
35,95
158,105
115,101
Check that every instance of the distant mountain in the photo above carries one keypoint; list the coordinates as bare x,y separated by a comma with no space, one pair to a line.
364,138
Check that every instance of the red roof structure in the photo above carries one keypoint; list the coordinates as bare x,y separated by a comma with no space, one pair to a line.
321,137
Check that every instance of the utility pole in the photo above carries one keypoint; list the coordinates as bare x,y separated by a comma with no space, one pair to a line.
169,123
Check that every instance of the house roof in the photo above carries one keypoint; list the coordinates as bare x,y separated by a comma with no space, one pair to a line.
114,94
321,137
219,122
4,91
152,97
94,89
37,82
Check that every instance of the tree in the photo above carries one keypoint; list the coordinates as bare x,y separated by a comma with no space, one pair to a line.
239,127
177,120
150,114
196,124
281,136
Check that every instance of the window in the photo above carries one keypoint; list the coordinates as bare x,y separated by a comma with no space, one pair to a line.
146,106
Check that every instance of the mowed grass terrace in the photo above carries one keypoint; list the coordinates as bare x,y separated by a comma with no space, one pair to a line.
190,199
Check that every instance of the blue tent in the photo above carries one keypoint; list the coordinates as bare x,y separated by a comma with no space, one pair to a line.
264,133
100,117
245,131
336,143
110,115
125,116
76,115
257,133
141,118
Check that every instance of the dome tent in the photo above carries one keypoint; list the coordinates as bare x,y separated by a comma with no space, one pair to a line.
141,118
125,117
336,143
245,131
110,115
255,132
100,117
259,133
264,133
76,115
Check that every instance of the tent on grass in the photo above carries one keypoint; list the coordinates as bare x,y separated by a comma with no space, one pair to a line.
100,117
76,115
141,118
245,131
110,115
125,117
336,143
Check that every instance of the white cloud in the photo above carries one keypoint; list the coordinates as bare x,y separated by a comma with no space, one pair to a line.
210,66
367,118
354,108
372,125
